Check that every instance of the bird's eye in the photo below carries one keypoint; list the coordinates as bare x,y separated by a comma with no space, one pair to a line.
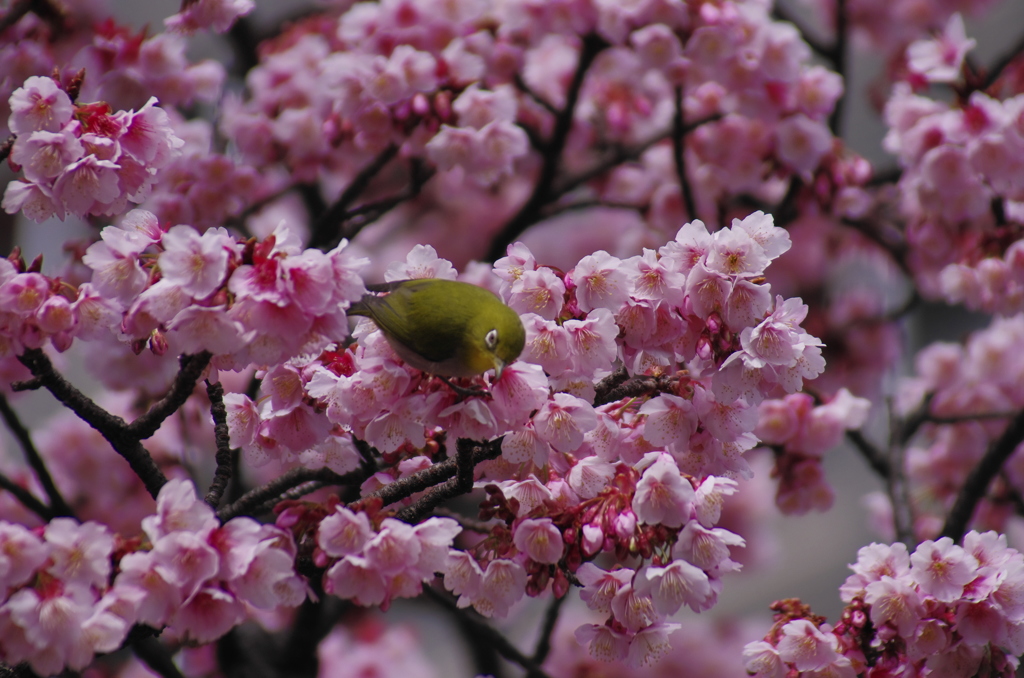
491,339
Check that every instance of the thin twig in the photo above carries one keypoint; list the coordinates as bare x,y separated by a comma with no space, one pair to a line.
530,212
58,507
27,499
222,475
835,121
996,70
622,154
373,211
543,647
979,478
191,366
112,427
528,91
275,488
497,640
876,460
326,227
639,385
679,154
455,476
897,485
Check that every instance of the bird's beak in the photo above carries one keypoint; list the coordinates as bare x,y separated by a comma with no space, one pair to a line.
499,367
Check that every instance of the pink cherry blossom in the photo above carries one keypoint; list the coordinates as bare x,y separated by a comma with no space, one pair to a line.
539,539
663,496
39,104
805,646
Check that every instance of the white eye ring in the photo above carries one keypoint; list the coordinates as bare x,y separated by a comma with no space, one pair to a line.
491,339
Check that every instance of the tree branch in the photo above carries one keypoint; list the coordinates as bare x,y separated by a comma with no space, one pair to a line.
112,427
58,507
326,227
679,153
27,499
497,640
278,486
451,473
191,366
876,460
224,456
530,212
978,480
540,653
999,66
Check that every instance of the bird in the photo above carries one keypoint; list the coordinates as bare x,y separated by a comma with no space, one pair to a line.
445,327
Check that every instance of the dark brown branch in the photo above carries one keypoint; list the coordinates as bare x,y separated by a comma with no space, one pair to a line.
876,460
622,154
112,427
372,211
191,367
450,478
639,385
58,507
906,429
27,499
224,456
962,418
679,154
835,121
996,70
612,381
892,243
496,639
980,477
896,482
326,228
273,490
528,91
33,384
540,653
530,212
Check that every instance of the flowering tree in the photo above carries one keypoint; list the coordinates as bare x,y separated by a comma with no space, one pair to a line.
657,187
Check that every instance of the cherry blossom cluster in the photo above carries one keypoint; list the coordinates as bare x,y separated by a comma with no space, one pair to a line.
374,566
961,185
246,303
633,476
892,26
72,590
440,82
123,67
971,392
941,610
82,159
799,431
176,290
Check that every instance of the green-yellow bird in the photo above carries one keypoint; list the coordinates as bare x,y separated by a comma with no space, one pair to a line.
445,327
